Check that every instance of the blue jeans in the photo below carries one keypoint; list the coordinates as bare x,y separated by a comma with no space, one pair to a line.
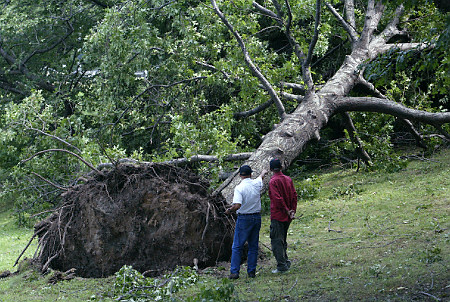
247,230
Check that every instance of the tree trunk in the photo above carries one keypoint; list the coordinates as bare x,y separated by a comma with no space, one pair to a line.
289,137
287,140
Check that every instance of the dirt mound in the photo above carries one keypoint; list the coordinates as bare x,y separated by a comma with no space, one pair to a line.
153,217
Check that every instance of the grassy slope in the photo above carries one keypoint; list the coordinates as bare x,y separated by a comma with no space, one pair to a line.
366,237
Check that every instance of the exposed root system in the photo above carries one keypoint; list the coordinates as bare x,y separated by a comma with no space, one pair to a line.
153,217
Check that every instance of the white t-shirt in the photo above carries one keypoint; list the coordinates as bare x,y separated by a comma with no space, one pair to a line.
248,195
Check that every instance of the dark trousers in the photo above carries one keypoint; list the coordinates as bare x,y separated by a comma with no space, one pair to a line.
278,235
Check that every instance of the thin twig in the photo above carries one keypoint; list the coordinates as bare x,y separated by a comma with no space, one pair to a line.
49,182
66,151
429,295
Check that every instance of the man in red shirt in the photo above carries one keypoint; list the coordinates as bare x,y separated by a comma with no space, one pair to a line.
283,205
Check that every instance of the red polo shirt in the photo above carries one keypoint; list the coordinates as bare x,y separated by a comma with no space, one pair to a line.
283,196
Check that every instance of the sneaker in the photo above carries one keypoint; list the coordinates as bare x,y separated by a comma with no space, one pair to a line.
277,271
233,276
251,274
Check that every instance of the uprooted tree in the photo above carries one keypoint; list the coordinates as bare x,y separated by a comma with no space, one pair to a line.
151,82
319,104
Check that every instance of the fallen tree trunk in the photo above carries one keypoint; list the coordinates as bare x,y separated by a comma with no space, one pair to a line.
289,138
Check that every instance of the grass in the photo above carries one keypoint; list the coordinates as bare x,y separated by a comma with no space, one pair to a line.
13,240
364,237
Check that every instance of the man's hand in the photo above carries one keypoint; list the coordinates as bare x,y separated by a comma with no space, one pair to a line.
263,173
233,208
291,214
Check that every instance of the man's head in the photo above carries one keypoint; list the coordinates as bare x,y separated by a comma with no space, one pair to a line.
245,170
275,165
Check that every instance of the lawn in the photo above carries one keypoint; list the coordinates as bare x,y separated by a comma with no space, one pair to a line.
365,236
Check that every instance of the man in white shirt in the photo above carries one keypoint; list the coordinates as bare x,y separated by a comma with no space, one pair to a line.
247,204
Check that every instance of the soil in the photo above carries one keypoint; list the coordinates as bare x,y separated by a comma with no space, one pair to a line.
152,217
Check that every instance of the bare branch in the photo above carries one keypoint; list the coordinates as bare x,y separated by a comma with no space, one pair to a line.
253,111
251,65
293,86
267,12
313,43
55,137
350,12
213,68
403,47
369,85
373,17
293,97
417,136
353,34
372,104
351,129
49,182
391,29
66,151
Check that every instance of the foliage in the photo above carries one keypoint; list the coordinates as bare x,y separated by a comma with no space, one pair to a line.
348,191
130,285
308,188
222,290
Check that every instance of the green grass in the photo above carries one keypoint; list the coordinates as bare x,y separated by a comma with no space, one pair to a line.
13,240
365,237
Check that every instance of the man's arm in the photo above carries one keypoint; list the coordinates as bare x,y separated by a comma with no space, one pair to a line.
234,207
293,201
263,173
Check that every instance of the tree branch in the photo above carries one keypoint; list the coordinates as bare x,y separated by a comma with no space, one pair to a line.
313,43
350,13
250,64
253,111
373,17
353,34
44,50
372,104
391,29
7,86
267,12
402,46
293,97
410,126
213,68
184,160
417,136
442,131
55,137
66,151
351,129
49,182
